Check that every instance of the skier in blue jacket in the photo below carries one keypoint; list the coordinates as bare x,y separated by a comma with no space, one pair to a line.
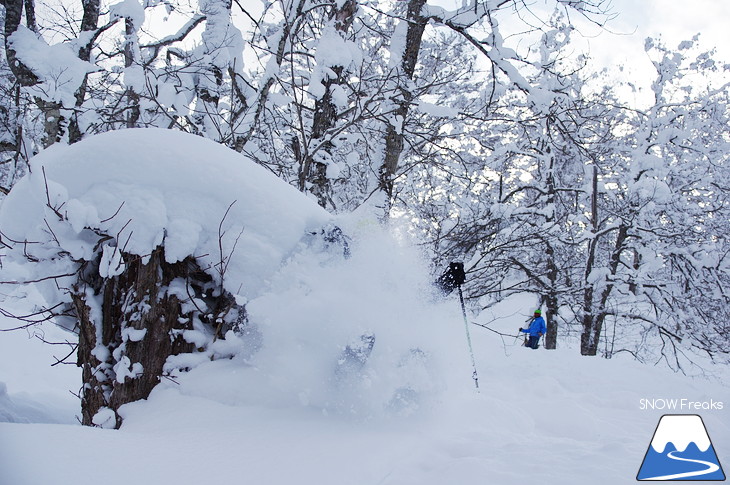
536,329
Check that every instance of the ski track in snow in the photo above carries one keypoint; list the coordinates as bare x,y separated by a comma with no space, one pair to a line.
711,469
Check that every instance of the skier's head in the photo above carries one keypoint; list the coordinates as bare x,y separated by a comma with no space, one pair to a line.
538,312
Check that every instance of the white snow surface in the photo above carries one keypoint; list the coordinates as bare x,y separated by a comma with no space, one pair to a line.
150,187
60,71
681,430
541,417
280,403
332,50
130,9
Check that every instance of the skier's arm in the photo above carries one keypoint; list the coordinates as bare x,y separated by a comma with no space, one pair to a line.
530,322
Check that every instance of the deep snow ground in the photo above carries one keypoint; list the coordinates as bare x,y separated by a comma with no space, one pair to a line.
282,405
541,417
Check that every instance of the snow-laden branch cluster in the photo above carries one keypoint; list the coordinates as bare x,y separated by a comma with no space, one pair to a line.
482,127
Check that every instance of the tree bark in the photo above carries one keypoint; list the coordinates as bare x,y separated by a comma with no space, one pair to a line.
313,172
53,121
551,302
589,337
124,344
13,15
394,131
551,297
130,46
89,23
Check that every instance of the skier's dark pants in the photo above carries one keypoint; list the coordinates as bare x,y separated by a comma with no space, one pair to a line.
532,343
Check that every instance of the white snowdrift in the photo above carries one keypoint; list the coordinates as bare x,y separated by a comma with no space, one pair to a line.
60,71
350,335
150,187
554,418
318,304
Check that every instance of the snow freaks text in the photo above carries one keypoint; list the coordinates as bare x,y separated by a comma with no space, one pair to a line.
663,404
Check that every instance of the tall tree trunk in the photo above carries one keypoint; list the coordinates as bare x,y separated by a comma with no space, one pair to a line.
589,337
89,23
13,15
313,173
30,21
130,51
551,297
394,130
293,16
53,119
551,337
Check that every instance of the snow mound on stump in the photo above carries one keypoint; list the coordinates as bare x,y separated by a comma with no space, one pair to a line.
152,187
339,314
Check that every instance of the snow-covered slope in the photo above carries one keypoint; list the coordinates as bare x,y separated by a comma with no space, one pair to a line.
351,371
541,417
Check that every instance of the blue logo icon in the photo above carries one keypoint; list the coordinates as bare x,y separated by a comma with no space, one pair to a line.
681,450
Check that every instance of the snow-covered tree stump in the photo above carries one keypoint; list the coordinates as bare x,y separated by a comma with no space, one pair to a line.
123,346
147,244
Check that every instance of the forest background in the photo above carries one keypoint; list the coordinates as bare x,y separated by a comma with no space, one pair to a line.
482,131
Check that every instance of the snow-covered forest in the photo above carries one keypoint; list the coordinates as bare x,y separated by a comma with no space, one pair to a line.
196,193
514,156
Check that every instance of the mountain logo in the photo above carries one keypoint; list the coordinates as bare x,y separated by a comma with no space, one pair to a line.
681,450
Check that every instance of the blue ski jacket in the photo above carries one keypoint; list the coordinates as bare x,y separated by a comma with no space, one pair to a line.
536,327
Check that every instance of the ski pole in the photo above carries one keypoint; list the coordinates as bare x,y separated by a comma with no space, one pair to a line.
474,376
